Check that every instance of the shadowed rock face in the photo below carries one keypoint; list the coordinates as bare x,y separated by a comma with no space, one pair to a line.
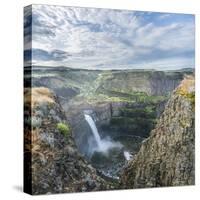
56,165
166,158
58,85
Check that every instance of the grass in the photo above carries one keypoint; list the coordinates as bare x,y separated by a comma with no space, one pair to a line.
38,95
63,129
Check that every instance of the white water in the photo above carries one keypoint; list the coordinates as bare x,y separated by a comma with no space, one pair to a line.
103,145
95,132
127,155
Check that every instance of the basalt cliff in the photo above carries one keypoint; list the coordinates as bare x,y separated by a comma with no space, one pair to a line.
55,164
166,157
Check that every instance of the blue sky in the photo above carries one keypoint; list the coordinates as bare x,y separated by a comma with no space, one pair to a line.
110,39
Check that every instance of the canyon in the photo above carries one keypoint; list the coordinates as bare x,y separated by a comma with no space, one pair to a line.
127,111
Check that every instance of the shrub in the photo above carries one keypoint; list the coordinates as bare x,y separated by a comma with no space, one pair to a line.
63,128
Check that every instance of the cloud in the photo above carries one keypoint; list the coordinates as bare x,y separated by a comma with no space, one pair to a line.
104,38
55,55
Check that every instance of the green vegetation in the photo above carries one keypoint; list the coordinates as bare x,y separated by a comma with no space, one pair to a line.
145,112
63,128
137,125
118,96
139,120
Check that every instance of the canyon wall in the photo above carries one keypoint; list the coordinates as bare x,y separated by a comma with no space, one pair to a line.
56,165
150,82
166,158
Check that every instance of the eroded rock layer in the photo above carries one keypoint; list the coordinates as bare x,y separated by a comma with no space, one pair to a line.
166,158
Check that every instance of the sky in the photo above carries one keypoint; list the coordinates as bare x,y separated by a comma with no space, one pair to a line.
95,38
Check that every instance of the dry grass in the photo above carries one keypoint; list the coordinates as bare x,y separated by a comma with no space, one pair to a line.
187,89
187,85
38,95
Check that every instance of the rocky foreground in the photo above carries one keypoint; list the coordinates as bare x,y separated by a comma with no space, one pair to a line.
167,157
56,165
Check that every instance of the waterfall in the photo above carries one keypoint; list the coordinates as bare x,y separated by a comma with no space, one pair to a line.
93,127
103,145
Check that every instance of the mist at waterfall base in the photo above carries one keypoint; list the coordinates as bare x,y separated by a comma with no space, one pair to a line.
106,155
102,145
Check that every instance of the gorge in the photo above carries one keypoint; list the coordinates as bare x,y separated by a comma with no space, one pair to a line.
111,115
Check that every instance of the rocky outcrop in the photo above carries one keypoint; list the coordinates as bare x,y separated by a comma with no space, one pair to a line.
56,165
166,158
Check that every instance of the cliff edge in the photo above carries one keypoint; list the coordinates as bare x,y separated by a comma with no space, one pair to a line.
167,157
56,166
